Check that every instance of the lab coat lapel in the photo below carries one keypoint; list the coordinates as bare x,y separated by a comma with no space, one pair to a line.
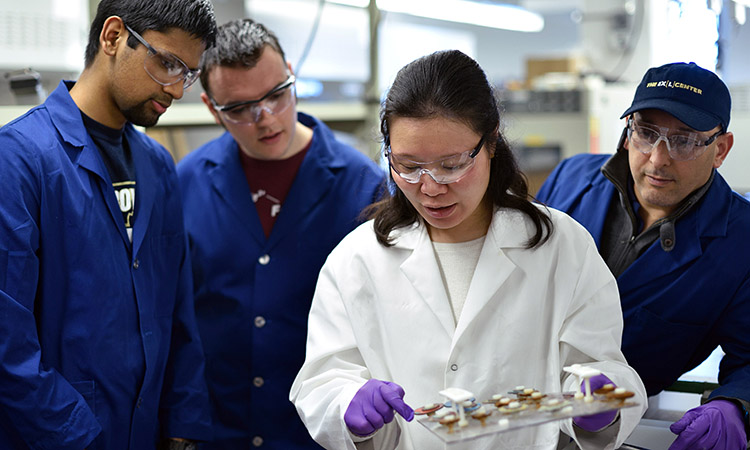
229,184
422,271
592,197
314,179
81,149
145,189
708,219
655,262
493,269
90,160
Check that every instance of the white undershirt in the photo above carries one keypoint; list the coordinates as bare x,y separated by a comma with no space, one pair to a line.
457,262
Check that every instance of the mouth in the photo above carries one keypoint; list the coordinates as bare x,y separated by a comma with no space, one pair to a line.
439,212
270,138
657,180
159,107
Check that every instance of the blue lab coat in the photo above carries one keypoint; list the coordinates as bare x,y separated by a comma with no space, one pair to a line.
678,305
98,342
253,293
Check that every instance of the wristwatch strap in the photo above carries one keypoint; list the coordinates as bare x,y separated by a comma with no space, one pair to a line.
181,445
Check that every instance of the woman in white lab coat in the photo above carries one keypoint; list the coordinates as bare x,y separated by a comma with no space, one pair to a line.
458,281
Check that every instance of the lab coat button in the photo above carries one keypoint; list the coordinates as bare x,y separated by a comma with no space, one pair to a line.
260,322
258,381
136,264
454,367
257,441
265,259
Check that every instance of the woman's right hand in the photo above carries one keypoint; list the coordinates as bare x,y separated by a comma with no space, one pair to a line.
373,406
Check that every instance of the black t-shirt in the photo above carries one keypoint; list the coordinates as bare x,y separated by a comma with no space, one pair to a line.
119,162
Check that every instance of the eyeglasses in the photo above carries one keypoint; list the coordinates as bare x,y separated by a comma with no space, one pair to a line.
276,101
681,147
164,67
444,171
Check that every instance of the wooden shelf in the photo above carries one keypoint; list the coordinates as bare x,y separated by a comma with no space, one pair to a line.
188,114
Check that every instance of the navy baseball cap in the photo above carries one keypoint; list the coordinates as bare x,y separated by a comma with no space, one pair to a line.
695,96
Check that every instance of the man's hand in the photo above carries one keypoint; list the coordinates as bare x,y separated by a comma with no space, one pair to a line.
373,406
717,424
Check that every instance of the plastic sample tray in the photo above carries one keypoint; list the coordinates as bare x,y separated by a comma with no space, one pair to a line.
525,413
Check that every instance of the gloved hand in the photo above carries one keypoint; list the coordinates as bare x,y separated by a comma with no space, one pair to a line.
373,405
596,422
717,424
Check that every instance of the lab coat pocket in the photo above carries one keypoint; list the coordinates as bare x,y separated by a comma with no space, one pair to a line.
87,389
18,270
657,334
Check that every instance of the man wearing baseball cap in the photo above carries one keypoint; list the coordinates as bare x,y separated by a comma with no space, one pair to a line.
677,238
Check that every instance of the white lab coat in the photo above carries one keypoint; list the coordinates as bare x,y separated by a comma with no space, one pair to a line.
384,313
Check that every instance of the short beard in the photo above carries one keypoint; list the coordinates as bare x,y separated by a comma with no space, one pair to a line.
141,115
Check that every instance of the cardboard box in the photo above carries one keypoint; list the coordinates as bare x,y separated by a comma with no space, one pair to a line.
536,67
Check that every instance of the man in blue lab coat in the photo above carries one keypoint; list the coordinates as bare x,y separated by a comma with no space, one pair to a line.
99,347
265,203
677,239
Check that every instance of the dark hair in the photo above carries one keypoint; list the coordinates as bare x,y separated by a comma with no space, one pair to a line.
239,43
452,85
195,17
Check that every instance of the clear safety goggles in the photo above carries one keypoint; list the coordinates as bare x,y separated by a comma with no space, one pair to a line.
276,101
164,67
681,146
444,171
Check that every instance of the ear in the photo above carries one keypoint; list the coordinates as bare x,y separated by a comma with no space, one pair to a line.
113,32
207,102
624,141
723,145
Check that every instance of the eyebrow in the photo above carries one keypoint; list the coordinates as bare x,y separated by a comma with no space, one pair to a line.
192,69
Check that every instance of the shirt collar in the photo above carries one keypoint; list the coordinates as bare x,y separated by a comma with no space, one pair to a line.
617,170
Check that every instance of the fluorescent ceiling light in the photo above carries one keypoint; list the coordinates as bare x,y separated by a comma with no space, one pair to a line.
740,13
357,3
493,15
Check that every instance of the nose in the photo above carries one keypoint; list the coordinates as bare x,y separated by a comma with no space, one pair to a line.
430,186
175,90
659,155
262,113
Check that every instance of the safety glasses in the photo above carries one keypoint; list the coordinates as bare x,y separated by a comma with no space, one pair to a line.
164,67
444,171
276,101
681,146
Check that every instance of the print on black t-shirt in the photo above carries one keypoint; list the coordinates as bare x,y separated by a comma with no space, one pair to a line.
118,159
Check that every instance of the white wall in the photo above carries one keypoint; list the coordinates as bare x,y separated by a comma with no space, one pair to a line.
343,46
43,34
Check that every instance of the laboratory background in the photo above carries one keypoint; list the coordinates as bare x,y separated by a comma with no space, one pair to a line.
565,70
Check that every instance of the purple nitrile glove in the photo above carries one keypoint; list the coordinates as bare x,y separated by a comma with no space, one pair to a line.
596,422
717,424
373,406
